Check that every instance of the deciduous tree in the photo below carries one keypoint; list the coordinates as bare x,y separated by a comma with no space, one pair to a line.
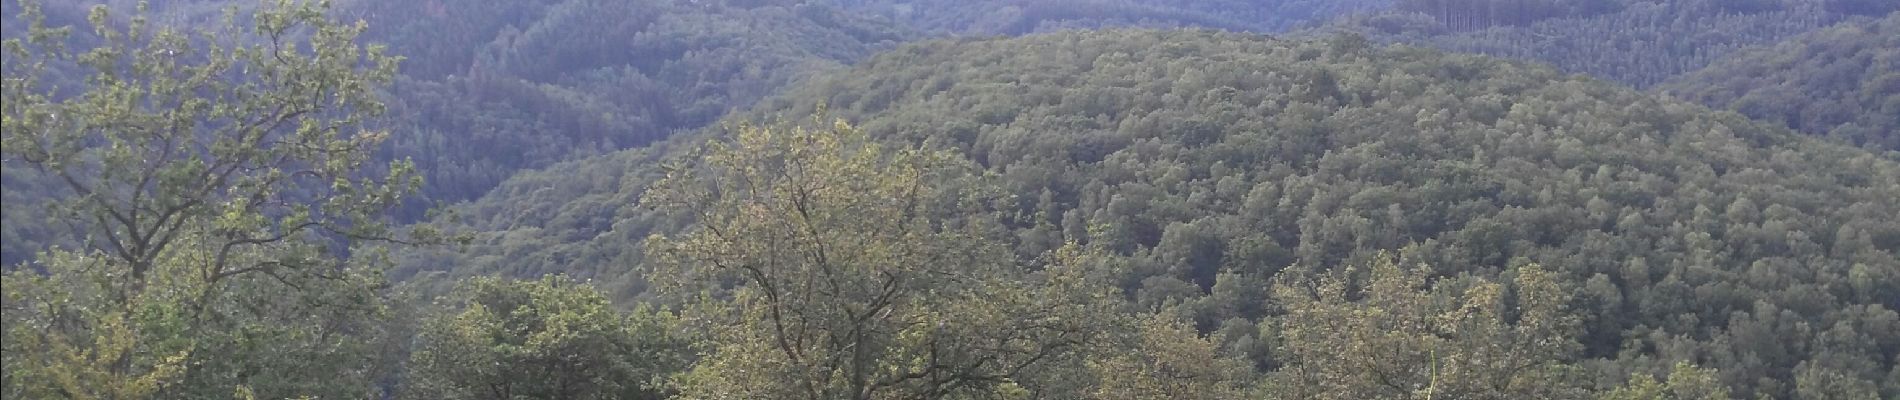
849,285
218,175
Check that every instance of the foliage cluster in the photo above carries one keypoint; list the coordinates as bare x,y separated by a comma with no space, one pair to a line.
221,195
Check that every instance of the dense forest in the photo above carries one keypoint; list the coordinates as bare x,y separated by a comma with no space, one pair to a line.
1272,161
1637,42
988,17
1843,82
557,80
880,199
484,75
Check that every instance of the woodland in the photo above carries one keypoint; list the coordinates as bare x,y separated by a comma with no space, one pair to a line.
932,199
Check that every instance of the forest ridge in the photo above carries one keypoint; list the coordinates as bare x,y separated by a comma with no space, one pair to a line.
991,199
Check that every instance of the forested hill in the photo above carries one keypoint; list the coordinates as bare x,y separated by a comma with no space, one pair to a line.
1211,166
558,79
1015,17
1842,82
555,80
883,199
489,88
1636,42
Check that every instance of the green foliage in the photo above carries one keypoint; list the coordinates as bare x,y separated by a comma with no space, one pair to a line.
100,359
162,144
1206,164
493,87
545,339
851,284
1391,332
75,330
214,176
991,17
1685,382
1167,360
1841,82
29,226
1475,14
1195,214
1335,151
1639,43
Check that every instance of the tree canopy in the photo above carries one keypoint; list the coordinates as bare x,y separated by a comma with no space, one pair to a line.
1841,82
1637,42
1210,164
216,201
876,199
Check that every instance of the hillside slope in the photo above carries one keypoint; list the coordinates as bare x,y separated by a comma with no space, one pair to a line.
1213,163
1637,42
554,80
1843,82
1015,17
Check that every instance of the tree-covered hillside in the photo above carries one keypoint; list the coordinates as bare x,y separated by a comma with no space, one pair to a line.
489,88
1636,42
781,199
1842,82
555,80
1211,167
1015,17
